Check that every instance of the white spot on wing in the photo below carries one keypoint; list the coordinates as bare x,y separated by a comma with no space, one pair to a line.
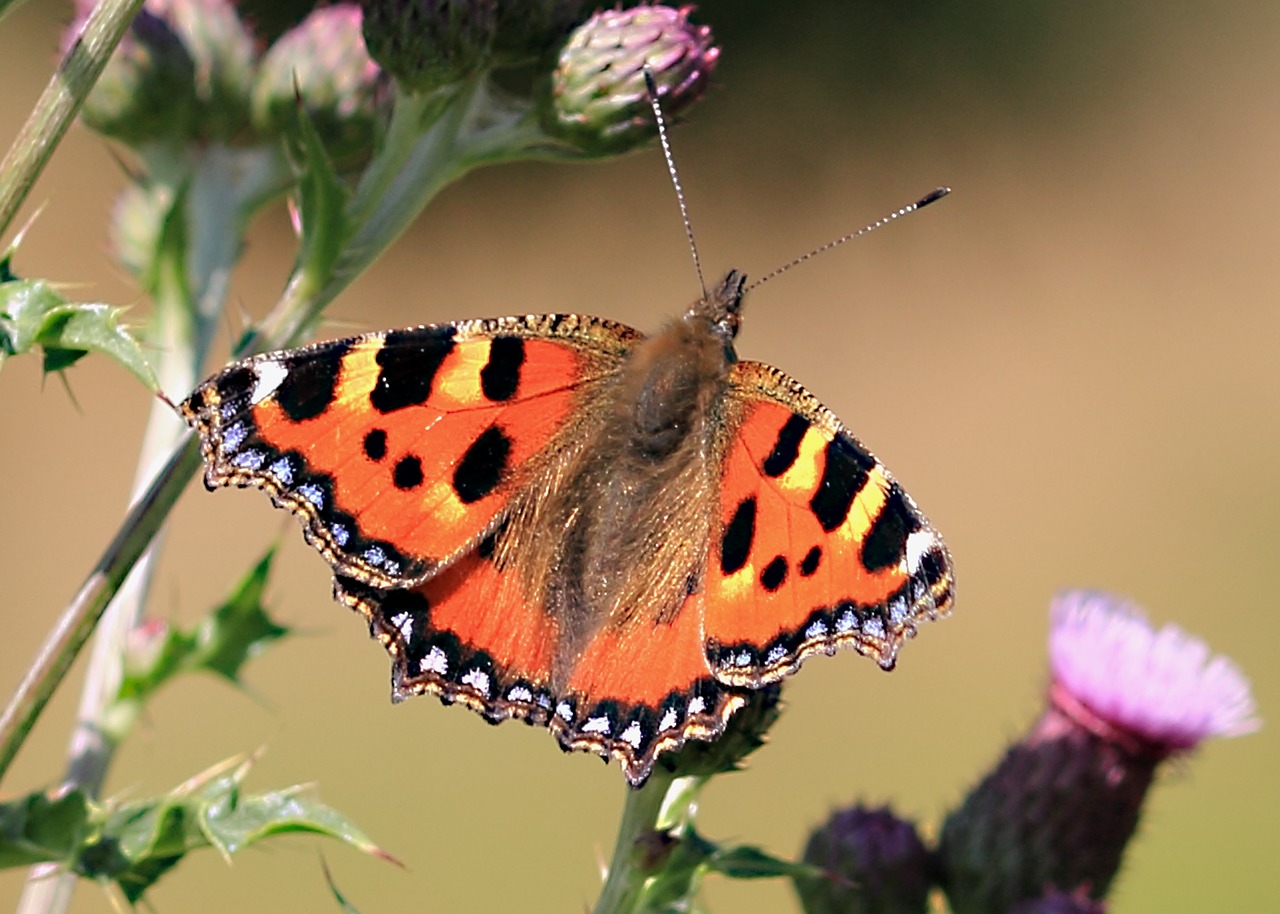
282,470
669,720
846,622
599,724
436,661
519,693
918,544
478,679
312,493
564,712
234,437
270,375
404,622
249,460
817,630
776,653
633,735
697,705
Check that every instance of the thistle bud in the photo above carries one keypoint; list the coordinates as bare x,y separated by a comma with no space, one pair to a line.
872,862
321,64
180,73
1060,807
598,100
743,734
528,28
427,44
1077,902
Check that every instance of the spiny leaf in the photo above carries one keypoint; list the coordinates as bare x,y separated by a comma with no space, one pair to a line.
33,313
133,843
221,643
746,862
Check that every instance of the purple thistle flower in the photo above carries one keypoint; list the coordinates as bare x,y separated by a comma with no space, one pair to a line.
1061,903
321,65
1060,807
1111,669
872,862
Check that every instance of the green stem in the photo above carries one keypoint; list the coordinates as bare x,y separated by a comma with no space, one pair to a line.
8,6
78,70
664,804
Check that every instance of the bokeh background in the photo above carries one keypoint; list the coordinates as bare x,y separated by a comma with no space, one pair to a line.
1071,363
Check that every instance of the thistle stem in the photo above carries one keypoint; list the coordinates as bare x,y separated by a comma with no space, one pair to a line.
61,100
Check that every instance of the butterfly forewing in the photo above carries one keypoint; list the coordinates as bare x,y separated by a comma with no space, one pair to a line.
818,546
399,450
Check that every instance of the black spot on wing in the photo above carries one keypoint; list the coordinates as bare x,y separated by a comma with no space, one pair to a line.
886,542
407,473
483,466
310,381
500,377
735,545
809,564
844,473
375,444
774,574
787,448
409,360
235,383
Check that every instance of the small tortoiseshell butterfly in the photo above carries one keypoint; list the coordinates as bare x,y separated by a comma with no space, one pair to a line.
559,519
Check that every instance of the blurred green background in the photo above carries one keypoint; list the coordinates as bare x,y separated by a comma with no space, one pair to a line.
1071,363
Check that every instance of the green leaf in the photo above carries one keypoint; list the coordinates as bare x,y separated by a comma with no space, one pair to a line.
134,843
33,314
746,862
221,643
322,205
40,827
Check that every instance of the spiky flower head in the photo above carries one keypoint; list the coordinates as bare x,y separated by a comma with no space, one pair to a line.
427,44
598,100
1060,807
321,65
1060,903
743,734
528,29
181,73
872,862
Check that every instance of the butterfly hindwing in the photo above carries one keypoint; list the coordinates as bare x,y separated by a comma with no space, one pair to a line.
398,450
470,636
818,546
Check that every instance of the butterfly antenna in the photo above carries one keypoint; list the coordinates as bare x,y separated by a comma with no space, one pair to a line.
924,201
652,86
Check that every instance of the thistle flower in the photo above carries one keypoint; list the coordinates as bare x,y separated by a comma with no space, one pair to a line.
527,29
1059,808
427,44
598,100
322,65
181,73
872,862
743,734
1060,903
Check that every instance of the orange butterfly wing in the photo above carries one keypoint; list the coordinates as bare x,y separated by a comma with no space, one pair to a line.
399,450
818,547
468,635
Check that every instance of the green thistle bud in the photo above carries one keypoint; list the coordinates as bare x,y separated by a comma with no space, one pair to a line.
529,28
181,73
598,100
744,734
872,863
427,44
322,65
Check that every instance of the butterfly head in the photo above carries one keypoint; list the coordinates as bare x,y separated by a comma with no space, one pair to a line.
722,306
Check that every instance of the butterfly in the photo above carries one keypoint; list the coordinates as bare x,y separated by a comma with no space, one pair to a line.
558,519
